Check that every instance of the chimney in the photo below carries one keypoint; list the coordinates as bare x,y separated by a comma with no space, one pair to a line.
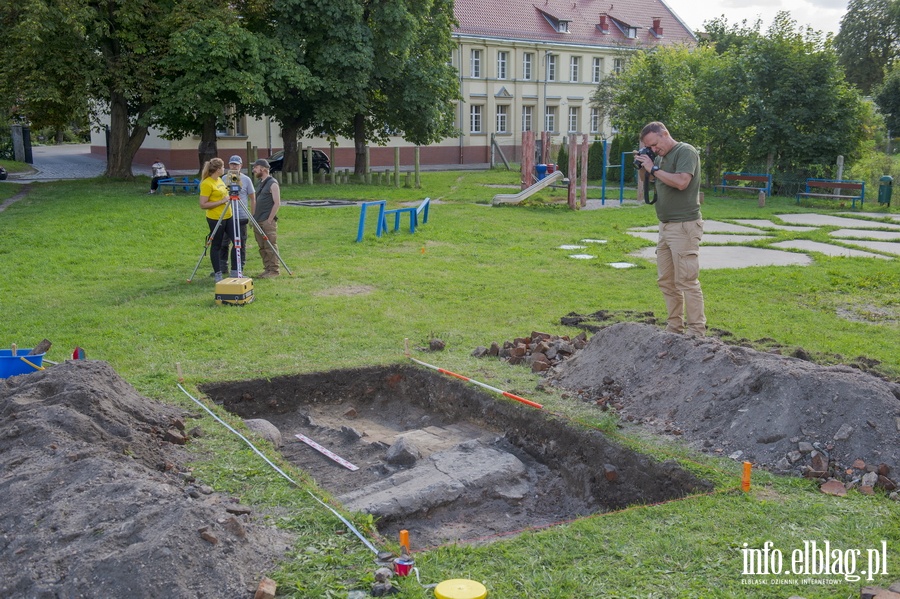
657,26
604,26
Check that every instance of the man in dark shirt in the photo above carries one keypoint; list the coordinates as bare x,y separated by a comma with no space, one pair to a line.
265,210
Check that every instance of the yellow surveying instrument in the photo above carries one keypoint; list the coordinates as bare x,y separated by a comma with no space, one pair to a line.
237,290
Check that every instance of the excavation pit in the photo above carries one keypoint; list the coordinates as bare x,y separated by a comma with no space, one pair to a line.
443,459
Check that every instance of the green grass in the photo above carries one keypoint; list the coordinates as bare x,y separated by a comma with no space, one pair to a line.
104,266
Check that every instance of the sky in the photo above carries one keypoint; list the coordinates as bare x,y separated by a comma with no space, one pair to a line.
822,15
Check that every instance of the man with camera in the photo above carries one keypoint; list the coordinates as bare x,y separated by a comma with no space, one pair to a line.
246,193
674,168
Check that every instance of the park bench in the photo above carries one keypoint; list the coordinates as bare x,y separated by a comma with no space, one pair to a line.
746,182
173,183
832,188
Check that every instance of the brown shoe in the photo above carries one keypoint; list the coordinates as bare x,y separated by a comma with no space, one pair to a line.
267,275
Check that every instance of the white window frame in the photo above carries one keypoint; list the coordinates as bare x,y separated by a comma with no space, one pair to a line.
618,65
476,123
574,117
502,61
550,119
597,70
502,119
527,64
574,69
527,118
550,68
475,64
595,120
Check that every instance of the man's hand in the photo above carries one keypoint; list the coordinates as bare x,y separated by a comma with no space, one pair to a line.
645,161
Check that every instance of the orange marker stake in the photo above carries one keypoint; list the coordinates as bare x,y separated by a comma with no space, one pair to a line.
404,541
745,478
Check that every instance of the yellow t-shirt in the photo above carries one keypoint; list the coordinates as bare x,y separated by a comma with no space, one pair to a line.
215,190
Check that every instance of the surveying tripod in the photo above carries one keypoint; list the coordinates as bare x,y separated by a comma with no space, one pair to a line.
234,198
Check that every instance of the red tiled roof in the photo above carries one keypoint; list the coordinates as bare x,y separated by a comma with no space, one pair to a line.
526,20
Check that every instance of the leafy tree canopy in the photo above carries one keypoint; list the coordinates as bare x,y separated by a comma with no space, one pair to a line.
869,40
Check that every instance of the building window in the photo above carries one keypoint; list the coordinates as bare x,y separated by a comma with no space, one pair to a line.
527,61
475,64
502,121
597,70
551,67
550,119
573,119
618,65
235,125
475,119
527,118
501,64
595,120
574,68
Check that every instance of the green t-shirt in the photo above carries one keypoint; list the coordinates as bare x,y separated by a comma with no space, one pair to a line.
674,205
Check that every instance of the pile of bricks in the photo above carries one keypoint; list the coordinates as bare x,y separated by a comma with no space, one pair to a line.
541,351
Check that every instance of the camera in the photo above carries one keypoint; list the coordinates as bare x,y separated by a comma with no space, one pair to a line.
646,151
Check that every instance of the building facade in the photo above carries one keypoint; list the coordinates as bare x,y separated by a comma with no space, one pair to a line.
523,65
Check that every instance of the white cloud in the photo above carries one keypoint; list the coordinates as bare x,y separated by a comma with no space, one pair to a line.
822,15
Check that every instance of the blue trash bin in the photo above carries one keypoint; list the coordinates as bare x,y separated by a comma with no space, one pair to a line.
540,170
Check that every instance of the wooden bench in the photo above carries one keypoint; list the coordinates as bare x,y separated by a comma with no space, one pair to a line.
820,188
188,185
762,183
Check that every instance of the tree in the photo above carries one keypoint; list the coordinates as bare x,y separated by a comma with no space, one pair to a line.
376,68
887,96
869,40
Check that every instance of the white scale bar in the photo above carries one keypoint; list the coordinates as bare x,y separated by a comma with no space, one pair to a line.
326,452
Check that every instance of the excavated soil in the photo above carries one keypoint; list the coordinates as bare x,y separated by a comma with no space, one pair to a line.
776,411
97,503
359,415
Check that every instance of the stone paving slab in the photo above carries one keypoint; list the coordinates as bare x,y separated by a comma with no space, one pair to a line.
706,240
826,248
895,217
718,257
825,220
865,234
888,247
767,224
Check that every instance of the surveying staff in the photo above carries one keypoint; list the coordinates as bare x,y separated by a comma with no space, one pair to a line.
214,199
247,195
265,209
676,171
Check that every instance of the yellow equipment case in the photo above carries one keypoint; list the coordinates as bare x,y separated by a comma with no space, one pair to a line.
234,291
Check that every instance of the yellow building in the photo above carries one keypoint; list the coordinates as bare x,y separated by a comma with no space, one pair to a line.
522,64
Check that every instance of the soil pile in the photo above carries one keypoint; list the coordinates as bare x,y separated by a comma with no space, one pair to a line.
782,413
96,502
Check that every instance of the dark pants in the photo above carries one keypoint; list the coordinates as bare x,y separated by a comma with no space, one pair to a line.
219,245
154,182
242,224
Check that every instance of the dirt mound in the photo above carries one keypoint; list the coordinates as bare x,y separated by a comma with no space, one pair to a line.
776,411
97,504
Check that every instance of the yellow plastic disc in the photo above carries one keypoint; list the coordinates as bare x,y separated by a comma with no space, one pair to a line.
460,588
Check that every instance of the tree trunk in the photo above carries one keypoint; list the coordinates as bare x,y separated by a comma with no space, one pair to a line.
289,134
359,142
122,145
208,148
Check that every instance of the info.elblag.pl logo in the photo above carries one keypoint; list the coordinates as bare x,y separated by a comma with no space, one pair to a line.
813,559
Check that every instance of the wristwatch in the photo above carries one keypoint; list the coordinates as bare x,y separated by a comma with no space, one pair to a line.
654,169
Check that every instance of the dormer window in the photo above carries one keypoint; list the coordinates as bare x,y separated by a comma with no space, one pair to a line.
631,32
563,27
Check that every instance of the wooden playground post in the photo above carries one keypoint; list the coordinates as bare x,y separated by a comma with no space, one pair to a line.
545,147
584,169
573,174
527,158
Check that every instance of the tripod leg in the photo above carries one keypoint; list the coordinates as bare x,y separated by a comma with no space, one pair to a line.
209,239
262,234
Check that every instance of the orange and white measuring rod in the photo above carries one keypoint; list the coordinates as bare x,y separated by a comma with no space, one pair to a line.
527,402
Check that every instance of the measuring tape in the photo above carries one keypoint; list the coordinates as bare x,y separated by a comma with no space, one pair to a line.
326,452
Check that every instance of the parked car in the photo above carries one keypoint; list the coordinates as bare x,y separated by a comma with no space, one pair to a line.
320,161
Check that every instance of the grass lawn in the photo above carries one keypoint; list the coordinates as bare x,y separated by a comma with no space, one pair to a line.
103,266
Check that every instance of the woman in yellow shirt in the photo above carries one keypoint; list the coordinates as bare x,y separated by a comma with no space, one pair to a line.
214,199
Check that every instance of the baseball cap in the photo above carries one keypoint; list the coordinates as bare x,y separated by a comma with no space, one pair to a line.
235,159
262,162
